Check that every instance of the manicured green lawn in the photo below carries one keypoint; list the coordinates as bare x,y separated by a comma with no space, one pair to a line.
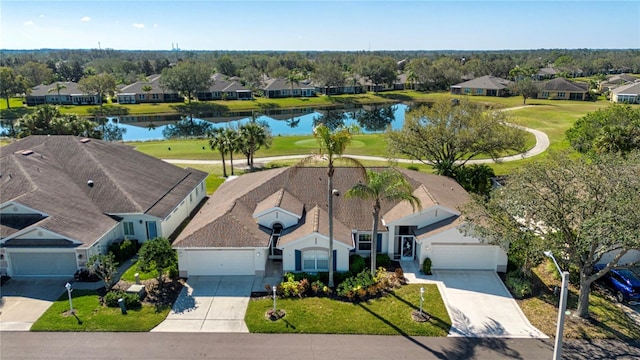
390,315
129,274
91,316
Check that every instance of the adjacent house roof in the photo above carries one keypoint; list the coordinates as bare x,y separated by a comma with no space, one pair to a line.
280,199
81,183
226,220
628,89
562,84
70,88
152,81
284,84
485,82
223,84
621,78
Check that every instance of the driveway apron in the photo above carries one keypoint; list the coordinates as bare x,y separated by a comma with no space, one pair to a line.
24,300
210,304
480,305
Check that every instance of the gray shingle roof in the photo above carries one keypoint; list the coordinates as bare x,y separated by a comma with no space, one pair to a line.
236,200
44,90
628,89
485,82
562,84
54,179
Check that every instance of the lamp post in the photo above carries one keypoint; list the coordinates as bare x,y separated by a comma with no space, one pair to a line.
274,299
421,299
557,349
69,290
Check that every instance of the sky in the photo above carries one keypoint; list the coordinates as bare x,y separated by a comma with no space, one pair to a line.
319,25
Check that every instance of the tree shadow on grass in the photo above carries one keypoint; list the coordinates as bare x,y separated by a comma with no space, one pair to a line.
438,322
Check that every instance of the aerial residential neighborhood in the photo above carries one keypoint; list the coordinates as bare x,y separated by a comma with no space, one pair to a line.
311,179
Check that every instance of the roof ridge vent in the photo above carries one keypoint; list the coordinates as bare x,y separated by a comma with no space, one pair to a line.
26,152
85,140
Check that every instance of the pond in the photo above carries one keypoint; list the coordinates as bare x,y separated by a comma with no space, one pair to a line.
370,119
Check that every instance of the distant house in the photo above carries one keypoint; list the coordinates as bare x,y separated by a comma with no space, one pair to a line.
628,94
398,84
149,90
69,95
614,81
484,86
563,89
224,88
350,86
66,198
279,88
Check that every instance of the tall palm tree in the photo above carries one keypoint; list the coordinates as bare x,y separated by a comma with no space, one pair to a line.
233,140
218,142
57,89
387,185
332,147
293,78
253,137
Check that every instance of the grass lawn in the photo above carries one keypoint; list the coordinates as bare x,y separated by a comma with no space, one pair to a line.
607,318
129,274
91,316
390,315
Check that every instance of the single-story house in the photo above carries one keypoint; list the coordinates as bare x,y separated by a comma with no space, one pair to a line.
65,198
614,81
484,86
281,215
149,90
398,83
68,94
279,88
628,94
224,88
563,89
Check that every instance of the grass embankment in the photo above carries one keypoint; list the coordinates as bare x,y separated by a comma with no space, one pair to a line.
608,320
389,315
90,315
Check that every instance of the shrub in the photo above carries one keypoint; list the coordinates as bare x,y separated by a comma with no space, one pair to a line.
383,260
399,273
413,167
114,248
519,287
317,287
426,266
127,249
355,287
131,301
358,264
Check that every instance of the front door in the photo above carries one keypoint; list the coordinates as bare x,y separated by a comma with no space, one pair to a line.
407,247
152,231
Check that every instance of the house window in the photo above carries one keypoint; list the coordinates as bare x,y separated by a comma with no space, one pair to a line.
196,191
315,260
479,91
128,228
545,94
467,90
190,197
201,187
561,94
155,96
141,96
364,242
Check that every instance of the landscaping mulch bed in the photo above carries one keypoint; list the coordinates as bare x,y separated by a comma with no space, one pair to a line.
156,295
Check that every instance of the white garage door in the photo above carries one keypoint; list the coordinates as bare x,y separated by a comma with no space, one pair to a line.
220,262
43,264
464,257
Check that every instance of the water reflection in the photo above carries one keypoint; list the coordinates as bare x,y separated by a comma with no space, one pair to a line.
376,118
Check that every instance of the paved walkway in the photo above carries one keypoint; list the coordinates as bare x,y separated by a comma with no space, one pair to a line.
478,303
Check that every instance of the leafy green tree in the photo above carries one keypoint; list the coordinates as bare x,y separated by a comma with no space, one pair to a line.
522,72
47,120
57,89
157,254
253,136
615,128
475,178
187,78
332,146
387,185
35,73
526,88
579,208
329,75
11,84
105,267
378,70
101,85
449,134
226,66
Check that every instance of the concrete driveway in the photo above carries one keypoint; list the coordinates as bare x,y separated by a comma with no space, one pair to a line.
24,300
480,305
210,304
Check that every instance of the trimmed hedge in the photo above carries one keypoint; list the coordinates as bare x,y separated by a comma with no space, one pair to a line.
131,301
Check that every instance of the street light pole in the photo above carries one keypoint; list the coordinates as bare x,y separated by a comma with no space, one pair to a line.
69,290
557,349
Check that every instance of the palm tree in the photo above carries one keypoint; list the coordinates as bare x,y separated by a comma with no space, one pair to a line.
57,89
387,185
293,78
147,89
253,136
218,142
332,146
233,140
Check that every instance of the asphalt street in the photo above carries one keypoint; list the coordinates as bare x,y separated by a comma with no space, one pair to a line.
53,346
